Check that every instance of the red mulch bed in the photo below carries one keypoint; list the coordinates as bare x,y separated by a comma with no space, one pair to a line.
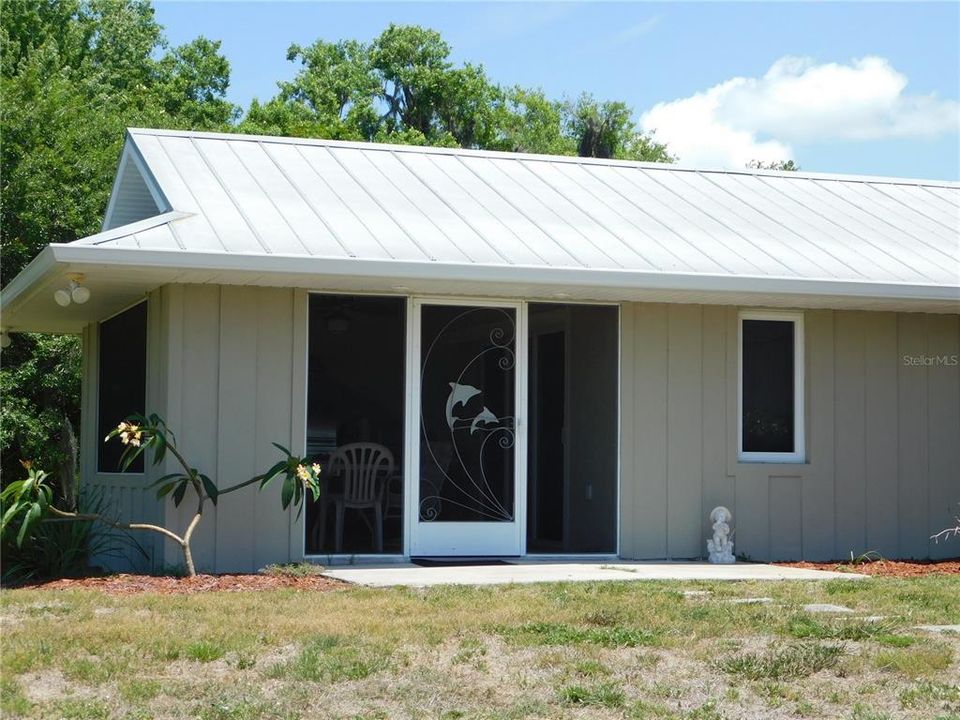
887,568
124,584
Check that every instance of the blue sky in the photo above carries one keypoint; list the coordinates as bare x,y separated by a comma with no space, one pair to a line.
852,88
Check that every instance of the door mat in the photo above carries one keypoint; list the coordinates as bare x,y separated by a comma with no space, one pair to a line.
457,562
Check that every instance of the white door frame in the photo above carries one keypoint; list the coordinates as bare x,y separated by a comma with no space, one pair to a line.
462,538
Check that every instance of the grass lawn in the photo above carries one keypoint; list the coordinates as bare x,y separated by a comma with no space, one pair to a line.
605,650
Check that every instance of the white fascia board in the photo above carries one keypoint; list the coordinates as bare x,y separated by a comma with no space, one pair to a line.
29,280
547,276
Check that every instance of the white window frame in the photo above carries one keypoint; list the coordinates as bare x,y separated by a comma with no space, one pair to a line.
799,423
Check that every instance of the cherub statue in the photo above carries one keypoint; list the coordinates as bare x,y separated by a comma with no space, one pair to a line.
720,546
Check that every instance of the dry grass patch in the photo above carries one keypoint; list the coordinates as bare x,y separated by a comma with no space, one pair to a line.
327,658
945,696
798,660
915,662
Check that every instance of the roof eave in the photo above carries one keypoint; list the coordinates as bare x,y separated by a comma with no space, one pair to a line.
28,282
553,276
119,276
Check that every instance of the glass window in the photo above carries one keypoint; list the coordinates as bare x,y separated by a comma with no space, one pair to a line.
355,423
771,417
122,386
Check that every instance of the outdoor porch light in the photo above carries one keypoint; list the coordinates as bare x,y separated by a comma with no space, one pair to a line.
76,292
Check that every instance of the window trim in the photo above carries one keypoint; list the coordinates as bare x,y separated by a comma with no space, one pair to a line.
799,420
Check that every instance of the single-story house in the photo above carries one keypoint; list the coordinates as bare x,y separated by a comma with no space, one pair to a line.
531,355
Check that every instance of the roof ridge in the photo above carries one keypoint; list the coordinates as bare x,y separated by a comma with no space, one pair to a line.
576,160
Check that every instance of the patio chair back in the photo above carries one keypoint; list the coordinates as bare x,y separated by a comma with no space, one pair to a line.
365,468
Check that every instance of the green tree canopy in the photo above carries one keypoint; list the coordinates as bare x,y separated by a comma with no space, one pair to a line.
404,87
781,165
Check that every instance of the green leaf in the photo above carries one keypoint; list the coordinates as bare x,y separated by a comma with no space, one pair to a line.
129,455
180,492
298,498
210,488
9,515
287,492
160,449
13,489
43,499
282,448
32,516
270,474
165,478
166,489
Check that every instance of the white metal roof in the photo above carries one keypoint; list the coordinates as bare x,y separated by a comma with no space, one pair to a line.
205,207
282,196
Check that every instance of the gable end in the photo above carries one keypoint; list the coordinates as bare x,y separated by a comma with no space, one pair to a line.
134,196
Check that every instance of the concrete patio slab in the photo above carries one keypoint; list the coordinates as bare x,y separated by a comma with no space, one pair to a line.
523,571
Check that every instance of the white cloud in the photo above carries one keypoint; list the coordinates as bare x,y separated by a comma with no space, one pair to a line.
797,101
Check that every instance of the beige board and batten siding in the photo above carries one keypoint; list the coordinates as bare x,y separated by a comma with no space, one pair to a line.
236,363
882,468
227,368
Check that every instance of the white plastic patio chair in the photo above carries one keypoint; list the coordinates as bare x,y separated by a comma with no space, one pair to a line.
364,469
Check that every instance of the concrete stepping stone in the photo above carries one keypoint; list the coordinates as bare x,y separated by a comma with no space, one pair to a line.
752,601
940,629
696,593
826,608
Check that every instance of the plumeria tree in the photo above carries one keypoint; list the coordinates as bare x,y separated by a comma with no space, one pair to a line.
30,501
950,532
